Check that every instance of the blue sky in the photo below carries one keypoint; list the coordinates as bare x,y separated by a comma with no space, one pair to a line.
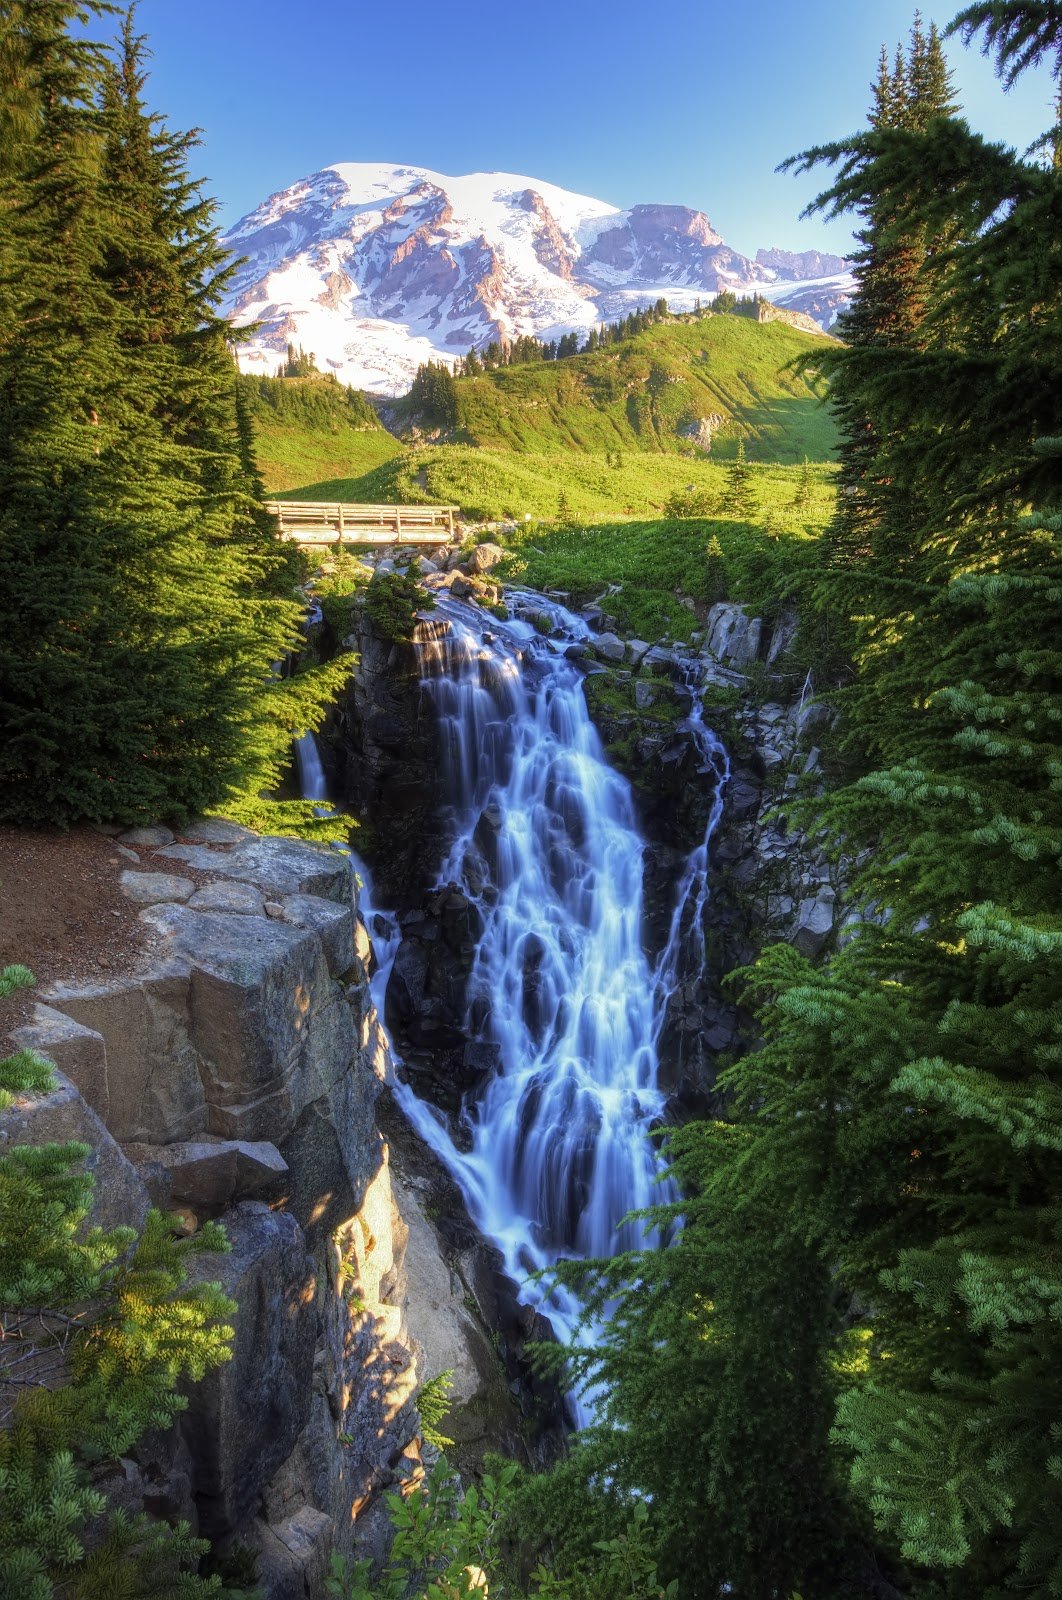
691,103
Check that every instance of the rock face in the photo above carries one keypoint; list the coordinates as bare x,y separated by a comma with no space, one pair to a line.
235,1075
380,750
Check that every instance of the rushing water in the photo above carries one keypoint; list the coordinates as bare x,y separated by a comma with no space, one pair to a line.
541,833
312,782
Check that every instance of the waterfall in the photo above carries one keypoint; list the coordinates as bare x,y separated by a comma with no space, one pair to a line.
312,782
541,832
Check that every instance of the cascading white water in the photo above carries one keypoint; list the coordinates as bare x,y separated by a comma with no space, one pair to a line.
313,784
543,836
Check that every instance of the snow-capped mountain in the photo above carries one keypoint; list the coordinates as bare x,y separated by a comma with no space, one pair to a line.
377,269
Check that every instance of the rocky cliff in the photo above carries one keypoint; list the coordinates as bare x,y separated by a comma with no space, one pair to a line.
234,1074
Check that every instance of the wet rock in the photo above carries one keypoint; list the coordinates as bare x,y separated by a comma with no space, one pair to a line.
407,984
814,922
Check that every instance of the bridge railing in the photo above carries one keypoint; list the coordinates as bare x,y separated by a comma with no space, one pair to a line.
326,521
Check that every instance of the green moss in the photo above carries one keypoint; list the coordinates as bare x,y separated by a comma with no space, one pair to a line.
392,601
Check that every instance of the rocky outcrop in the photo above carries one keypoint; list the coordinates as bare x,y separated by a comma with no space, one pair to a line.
379,748
234,1075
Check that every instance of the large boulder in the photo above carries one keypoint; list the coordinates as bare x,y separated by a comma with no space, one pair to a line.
609,647
485,557
270,1028
210,1175
79,1052
732,636
152,1089
244,1418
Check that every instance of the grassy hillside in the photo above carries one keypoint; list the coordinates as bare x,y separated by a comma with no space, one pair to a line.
649,393
495,485
661,564
308,428
606,435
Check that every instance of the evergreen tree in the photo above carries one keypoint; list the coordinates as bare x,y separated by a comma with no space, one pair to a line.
891,1180
739,499
888,314
907,1105
138,634
802,496
714,1396
433,395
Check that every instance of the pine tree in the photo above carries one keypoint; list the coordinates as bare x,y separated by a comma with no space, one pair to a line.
888,314
138,633
907,1105
739,499
802,496
714,1396
887,1195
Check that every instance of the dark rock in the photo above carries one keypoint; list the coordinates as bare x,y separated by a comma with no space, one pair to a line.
244,1418
210,1175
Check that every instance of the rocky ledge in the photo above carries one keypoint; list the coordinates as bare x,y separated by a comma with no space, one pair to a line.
234,1074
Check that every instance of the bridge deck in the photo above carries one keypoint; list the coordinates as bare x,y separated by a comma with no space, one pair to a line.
329,521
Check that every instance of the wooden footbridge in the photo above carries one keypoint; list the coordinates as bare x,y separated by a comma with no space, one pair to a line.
333,521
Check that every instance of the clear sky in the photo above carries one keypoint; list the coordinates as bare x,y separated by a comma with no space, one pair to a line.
693,103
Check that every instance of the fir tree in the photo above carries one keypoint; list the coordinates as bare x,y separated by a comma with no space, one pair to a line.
739,499
802,495
433,395
138,633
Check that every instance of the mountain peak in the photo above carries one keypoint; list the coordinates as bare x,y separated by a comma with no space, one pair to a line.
377,268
